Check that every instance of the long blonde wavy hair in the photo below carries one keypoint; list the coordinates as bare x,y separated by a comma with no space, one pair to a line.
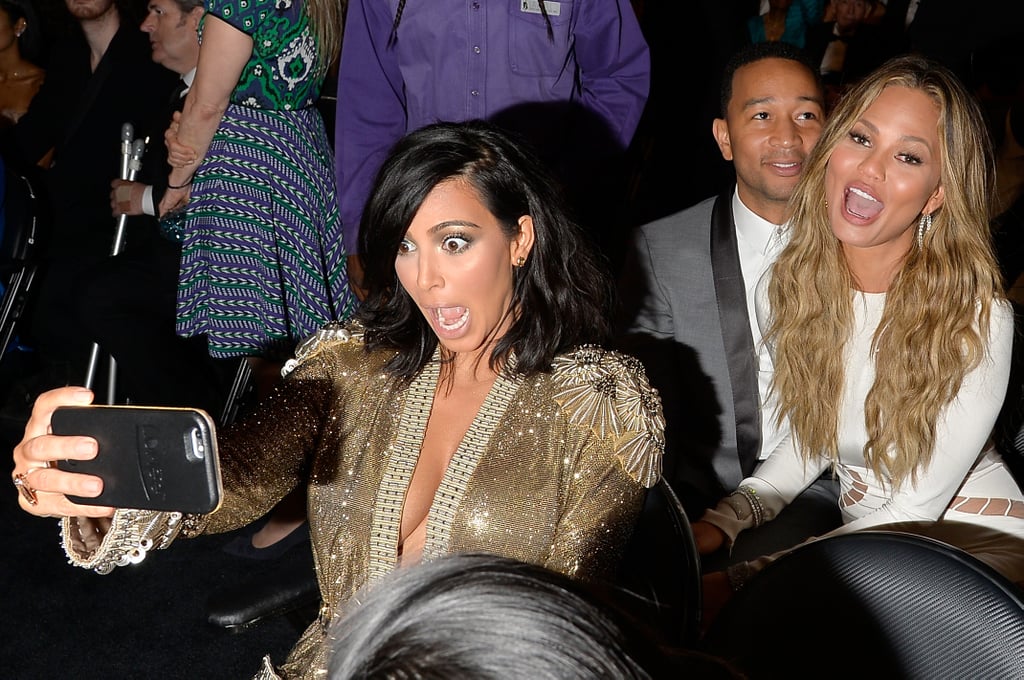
326,18
934,326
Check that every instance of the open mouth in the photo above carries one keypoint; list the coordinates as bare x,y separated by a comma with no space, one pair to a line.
861,204
451,318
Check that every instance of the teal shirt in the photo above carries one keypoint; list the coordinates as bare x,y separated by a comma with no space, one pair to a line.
282,72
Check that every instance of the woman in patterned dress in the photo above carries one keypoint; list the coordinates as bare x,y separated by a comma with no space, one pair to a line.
263,263
262,258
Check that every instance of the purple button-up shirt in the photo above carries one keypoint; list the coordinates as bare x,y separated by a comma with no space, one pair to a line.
457,60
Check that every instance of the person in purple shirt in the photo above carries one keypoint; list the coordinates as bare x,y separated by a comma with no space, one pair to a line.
572,76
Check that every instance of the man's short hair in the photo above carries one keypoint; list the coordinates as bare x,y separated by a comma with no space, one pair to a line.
756,52
187,6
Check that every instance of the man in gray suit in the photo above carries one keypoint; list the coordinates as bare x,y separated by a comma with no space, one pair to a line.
687,293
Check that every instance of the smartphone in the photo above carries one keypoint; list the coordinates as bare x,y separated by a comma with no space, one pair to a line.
150,458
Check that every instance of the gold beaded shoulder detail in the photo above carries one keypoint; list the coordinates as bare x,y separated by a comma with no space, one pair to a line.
608,393
331,333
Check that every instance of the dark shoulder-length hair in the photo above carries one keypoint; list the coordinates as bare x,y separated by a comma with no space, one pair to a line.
471,615
561,295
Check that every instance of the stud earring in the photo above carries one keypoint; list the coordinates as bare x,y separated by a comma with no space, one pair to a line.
520,261
923,227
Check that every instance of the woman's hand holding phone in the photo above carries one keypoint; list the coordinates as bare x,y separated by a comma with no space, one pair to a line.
43,488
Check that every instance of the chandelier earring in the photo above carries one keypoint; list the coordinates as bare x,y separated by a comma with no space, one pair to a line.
923,227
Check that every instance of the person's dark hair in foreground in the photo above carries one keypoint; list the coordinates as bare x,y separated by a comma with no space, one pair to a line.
477,616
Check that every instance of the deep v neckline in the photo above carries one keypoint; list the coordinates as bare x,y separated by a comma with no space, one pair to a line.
403,454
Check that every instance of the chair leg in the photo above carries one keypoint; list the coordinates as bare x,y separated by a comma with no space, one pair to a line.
13,305
90,369
241,385
7,318
111,380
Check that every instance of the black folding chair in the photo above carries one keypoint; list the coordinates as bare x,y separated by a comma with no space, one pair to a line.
18,250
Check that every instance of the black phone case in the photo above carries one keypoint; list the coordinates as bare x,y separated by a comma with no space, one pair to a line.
150,458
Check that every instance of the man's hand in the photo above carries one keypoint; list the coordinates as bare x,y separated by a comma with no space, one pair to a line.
126,197
707,536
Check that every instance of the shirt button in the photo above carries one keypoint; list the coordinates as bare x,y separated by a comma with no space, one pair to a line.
475,93
476,49
476,5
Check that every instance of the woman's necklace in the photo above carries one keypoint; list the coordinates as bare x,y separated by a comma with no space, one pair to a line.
12,75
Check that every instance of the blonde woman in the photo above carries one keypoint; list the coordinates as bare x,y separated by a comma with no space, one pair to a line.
890,336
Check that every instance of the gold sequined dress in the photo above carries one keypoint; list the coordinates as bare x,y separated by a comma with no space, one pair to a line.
552,471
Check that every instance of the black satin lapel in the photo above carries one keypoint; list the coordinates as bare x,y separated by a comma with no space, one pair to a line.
739,346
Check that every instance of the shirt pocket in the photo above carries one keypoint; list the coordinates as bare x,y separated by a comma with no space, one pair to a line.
531,51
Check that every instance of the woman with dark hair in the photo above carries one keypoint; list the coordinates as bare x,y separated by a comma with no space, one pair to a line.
20,76
560,283
467,410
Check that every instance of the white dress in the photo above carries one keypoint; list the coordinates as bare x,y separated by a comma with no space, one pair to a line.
967,485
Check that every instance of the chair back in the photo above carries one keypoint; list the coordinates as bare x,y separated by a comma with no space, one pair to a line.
18,245
20,207
874,604
659,578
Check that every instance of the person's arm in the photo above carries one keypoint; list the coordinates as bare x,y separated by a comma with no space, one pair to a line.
762,496
224,52
131,198
370,113
645,307
261,460
609,472
614,63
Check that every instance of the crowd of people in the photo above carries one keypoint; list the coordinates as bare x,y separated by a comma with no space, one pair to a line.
467,334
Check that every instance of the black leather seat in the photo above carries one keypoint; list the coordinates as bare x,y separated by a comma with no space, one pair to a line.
874,604
659,578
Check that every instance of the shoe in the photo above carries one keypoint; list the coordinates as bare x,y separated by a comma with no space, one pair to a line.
276,591
241,545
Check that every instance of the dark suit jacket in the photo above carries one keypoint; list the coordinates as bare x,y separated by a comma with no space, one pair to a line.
686,318
80,113
154,165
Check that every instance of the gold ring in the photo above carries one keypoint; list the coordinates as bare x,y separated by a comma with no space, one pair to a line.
26,491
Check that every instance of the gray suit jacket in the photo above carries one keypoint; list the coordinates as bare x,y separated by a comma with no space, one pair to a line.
685,316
